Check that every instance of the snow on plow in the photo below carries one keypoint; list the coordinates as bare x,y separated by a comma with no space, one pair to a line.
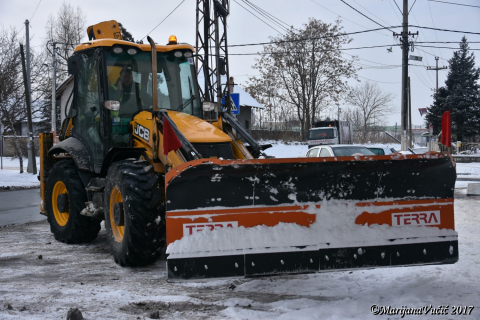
228,218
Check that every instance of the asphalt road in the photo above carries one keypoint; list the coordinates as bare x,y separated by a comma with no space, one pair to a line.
18,207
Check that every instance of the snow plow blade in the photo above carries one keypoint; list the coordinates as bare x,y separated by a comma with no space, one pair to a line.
230,218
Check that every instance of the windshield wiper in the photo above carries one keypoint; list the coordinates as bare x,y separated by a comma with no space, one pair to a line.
184,105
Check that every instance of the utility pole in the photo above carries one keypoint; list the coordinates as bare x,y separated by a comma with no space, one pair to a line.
32,163
410,113
405,46
436,69
54,94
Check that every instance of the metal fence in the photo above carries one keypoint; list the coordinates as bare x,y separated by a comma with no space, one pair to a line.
463,148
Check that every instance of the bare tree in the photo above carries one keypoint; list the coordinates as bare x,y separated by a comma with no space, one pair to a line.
68,29
11,87
12,93
370,105
306,69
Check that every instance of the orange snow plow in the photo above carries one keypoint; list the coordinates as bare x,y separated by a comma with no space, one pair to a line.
267,216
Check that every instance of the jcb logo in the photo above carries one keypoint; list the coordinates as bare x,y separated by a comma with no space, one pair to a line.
191,228
427,218
142,132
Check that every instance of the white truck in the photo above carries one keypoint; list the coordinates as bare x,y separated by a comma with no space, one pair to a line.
330,132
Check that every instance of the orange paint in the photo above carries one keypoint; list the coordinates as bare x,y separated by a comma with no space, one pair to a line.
444,206
246,217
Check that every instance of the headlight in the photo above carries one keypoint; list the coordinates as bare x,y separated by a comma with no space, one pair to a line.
187,54
178,54
132,51
117,50
208,106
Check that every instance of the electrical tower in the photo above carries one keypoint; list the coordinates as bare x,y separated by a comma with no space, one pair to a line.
212,34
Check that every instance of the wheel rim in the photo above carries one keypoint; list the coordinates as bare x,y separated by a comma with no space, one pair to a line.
60,217
118,231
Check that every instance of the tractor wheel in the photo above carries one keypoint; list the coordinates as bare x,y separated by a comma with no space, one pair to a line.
134,216
65,197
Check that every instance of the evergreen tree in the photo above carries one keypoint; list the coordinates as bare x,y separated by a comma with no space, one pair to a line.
461,96
435,112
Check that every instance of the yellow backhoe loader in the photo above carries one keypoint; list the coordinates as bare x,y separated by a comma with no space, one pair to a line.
218,207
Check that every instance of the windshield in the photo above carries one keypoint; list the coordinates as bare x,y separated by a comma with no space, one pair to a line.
348,151
130,82
316,134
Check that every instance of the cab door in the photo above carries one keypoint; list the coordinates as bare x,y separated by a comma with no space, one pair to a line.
87,103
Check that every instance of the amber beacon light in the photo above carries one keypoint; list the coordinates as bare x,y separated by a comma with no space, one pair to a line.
172,40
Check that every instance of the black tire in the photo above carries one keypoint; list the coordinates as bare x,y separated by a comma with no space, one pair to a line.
138,238
68,225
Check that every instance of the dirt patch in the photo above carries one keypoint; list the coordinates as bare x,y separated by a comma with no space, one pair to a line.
183,309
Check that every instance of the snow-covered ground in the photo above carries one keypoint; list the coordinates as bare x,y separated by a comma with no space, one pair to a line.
85,277
10,176
41,278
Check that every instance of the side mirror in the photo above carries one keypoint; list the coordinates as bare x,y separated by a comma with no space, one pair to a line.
74,65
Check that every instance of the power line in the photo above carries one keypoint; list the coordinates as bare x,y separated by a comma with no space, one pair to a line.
370,12
445,42
395,11
430,54
398,7
457,4
420,77
164,19
346,18
378,81
308,39
433,24
258,17
446,30
446,48
412,6
365,15
35,10
316,51
423,36
268,15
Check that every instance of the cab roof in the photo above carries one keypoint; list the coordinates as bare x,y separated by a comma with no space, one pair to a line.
143,47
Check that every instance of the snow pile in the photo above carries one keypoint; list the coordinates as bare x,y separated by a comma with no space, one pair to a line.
10,176
334,227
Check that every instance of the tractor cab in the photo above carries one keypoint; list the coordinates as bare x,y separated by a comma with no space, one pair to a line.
113,83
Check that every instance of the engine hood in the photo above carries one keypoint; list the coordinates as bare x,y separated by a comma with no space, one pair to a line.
197,130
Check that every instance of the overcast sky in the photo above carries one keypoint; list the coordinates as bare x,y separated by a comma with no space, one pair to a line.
141,16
